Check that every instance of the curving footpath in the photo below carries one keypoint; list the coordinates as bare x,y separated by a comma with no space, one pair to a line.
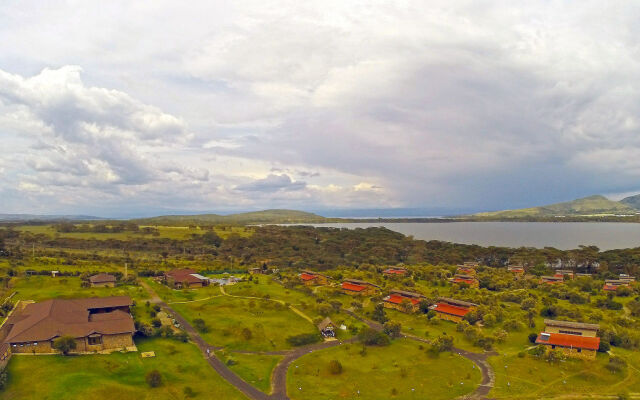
279,375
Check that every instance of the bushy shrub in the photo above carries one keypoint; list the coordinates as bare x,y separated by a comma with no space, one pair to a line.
153,378
303,339
335,368
371,337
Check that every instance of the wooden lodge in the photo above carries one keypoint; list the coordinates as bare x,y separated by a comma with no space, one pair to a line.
468,279
517,270
97,324
611,285
403,301
310,278
452,309
357,287
627,277
552,280
564,272
102,280
185,278
574,339
393,272
465,270
327,328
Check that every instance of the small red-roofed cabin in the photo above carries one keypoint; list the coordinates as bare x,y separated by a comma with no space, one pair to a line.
517,270
468,279
310,278
574,339
355,287
464,270
552,280
403,301
452,310
393,272
564,272
611,285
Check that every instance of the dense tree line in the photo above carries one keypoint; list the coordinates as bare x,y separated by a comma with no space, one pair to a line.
326,248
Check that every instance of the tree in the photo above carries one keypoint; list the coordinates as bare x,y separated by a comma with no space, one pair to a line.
533,337
65,344
153,378
371,337
156,323
378,314
392,329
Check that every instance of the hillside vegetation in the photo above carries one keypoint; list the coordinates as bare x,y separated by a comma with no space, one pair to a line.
255,217
587,206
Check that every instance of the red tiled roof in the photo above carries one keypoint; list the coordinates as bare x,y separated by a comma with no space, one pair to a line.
395,299
449,309
307,277
564,340
460,280
395,271
610,287
352,287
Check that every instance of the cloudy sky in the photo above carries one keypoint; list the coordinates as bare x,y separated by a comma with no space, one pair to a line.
125,108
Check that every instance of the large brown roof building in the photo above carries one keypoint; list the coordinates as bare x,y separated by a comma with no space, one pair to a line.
97,324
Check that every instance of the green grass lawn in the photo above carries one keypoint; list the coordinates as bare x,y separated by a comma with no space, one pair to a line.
402,366
270,323
267,287
255,369
534,378
117,376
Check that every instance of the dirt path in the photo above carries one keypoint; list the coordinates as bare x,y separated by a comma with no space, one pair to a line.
279,375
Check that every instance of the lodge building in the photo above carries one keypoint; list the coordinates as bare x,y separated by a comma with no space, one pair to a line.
96,324
452,309
403,301
356,287
310,278
574,339
395,272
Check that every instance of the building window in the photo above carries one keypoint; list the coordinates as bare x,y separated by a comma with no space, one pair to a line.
579,350
553,346
94,340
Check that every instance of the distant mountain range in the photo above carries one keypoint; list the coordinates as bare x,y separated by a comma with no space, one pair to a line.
588,208
592,206
35,217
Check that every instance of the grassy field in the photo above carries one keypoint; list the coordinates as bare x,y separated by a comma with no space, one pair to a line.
399,371
533,378
117,376
269,322
165,232
255,369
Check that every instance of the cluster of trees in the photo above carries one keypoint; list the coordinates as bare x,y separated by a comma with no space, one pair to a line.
68,227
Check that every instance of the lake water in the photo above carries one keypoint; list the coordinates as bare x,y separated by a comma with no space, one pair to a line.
565,235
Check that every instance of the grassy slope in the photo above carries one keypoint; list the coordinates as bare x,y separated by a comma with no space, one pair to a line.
255,369
403,366
592,205
117,376
165,232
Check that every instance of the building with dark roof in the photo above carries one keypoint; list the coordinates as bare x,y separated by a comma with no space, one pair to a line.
395,272
102,280
185,278
97,324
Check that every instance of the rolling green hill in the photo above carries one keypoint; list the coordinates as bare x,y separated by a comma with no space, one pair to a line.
588,206
255,217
